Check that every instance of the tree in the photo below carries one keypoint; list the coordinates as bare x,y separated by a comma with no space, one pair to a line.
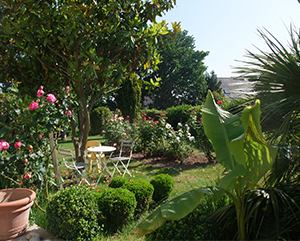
212,81
129,97
181,71
89,45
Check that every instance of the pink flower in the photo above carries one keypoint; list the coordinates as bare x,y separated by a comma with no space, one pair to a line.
51,98
156,122
40,136
149,117
33,105
123,134
27,176
67,89
115,144
25,161
68,112
41,87
4,145
127,117
220,102
18,144
39,93
144,117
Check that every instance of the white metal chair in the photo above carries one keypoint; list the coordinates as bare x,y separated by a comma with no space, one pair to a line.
123,158
77,169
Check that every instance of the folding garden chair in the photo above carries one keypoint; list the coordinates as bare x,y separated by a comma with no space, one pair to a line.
124,157
77,169
91,156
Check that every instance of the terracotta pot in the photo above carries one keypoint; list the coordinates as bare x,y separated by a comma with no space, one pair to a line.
14,211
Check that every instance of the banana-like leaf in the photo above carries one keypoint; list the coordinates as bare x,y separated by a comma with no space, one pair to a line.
178,208
240,145
221,127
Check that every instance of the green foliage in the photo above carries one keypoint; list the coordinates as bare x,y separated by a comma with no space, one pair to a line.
270,214
98,117
181,71
88,45
28,164
154,114
163,185
213,84
201,142
118,182
143,192
116,207
239,144
178,114
152,137
194,226
72,214
276,69
129,97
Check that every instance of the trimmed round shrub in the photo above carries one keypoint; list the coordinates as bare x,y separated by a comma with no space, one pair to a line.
163,185
118,182
116,207
143,192
72,214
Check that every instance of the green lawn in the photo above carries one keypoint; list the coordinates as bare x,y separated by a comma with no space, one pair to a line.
184,180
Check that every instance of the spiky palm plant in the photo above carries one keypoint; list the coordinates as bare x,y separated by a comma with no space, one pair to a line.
277,82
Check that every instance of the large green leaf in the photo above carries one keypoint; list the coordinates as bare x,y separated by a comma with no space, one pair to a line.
221,127
178,208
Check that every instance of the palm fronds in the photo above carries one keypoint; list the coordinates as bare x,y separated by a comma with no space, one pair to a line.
277,81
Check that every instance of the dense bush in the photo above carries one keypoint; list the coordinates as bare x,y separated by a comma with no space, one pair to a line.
72,214
176,114
163,185
195,226
116,207
143,192
98,117
118,182
154,114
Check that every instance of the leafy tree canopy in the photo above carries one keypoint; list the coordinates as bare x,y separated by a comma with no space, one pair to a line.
87,44
181,72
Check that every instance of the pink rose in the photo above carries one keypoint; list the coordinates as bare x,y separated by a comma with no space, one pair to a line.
123,134
67,89
68,112
220,102
114,144
18,144
4,145
39,93
27,176
40,136
33,105
25,161
51,98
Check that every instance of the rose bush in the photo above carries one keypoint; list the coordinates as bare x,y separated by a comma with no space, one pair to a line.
25,126
153,138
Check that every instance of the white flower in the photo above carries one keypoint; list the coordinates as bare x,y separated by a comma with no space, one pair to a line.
168,126
191,138
179,124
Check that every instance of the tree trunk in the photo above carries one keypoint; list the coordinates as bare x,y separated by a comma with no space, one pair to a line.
83,126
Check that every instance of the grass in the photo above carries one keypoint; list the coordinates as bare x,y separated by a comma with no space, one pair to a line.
184,180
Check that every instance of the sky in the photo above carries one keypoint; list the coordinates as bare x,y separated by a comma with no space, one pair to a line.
227,28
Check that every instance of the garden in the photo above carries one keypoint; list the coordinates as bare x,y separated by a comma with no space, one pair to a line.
203,167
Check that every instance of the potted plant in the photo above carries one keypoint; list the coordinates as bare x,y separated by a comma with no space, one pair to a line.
14,211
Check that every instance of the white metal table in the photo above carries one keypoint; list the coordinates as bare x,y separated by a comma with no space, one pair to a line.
103,165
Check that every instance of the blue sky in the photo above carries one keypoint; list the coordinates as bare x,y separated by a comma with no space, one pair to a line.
226,28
